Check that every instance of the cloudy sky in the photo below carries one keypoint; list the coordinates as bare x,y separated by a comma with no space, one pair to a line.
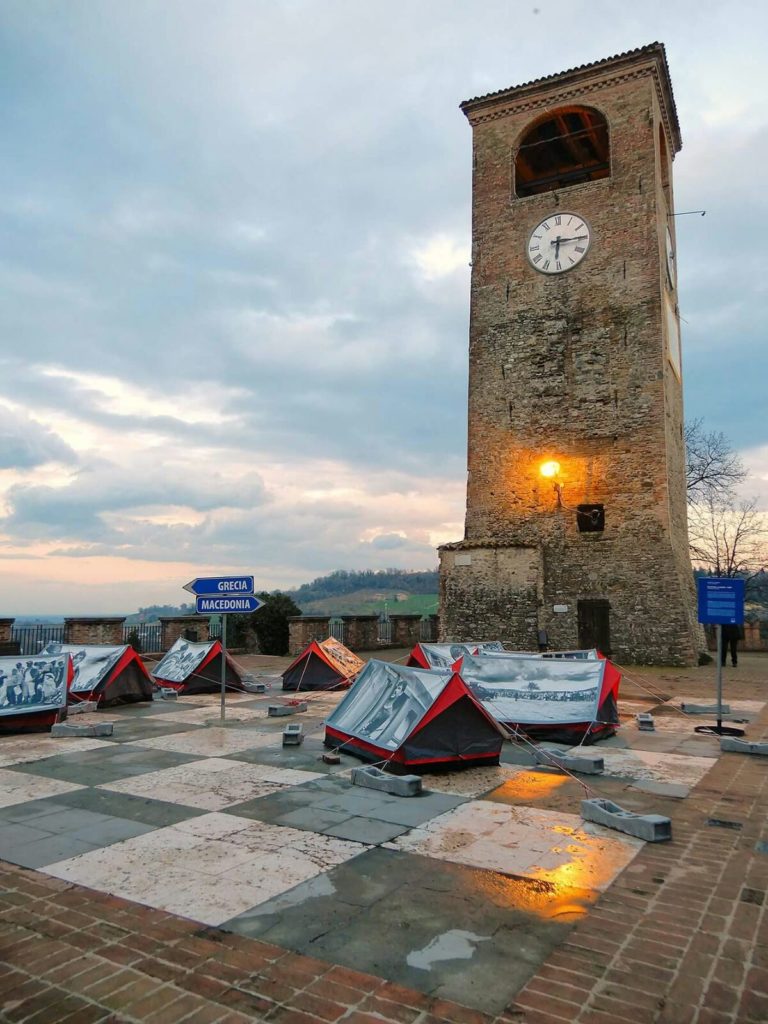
234,273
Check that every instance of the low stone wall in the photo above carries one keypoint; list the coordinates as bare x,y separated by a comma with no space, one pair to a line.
361,632
94,630
174,626
303,629
406,630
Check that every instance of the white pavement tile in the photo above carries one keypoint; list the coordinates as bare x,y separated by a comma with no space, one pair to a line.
211,784
528,841
747,707
199,716
472,782
654,766
225,866
18,788
21,749
213,742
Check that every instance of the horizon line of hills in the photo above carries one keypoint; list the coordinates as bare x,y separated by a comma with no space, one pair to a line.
342,592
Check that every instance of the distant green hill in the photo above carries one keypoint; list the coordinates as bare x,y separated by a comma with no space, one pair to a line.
368,592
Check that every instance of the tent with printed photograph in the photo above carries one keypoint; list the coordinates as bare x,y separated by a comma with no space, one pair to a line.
105,673
191,667
327,665
561,700
33,691
443,656
413,719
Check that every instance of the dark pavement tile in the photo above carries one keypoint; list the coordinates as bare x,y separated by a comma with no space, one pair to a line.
443,929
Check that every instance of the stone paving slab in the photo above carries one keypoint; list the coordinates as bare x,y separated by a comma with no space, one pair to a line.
525,841
208,868
443,929
36,747
107,763
332,806
143,809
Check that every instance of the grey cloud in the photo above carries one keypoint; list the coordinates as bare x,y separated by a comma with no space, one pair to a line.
25,443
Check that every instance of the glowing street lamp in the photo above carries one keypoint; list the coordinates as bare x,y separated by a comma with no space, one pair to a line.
549,469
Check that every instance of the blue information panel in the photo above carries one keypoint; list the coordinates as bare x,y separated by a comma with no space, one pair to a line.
721,600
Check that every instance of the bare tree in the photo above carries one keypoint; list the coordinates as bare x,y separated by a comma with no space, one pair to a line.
728,537
713,468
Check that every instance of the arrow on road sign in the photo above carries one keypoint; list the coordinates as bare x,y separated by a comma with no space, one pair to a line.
220,585
224,605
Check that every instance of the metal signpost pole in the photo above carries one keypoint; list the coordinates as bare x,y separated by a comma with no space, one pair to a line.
223,663
220,595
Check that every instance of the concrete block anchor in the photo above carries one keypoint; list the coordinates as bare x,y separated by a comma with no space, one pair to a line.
734,746
331,757
280,710
254,687
83,707
705,709
584,764
645,722
653,828
167,693
397,785
293,735
97,729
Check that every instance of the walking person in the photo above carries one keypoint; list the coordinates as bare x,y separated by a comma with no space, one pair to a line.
731,636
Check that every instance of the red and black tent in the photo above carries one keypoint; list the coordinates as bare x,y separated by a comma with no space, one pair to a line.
414,719
443,656
190,667
105,673
327,665
563,700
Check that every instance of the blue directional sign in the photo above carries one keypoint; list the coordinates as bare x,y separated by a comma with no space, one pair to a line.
226,604
721,600
220,585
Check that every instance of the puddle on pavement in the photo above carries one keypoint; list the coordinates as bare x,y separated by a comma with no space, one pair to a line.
455,944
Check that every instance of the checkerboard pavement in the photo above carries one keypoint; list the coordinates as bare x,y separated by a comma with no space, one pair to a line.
229,878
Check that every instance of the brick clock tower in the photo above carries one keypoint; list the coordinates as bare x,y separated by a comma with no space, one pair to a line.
576,504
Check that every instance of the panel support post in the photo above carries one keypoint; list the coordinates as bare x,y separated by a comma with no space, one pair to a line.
719,629
223,663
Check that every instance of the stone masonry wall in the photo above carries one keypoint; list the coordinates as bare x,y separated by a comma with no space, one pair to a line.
361,632
303,629
94,631
174,626
406,630
489,593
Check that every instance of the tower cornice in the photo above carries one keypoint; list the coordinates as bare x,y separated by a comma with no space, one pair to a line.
552,90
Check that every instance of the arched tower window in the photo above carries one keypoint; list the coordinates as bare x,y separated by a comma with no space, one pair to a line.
566,147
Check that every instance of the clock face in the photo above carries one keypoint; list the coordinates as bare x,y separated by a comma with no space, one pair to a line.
559,243
670,259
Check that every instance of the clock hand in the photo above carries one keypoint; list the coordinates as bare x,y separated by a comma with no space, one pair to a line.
576,238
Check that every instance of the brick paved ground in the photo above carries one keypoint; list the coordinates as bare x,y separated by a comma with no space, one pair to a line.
682,936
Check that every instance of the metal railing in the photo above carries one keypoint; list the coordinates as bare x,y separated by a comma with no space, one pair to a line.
32,639
146,636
